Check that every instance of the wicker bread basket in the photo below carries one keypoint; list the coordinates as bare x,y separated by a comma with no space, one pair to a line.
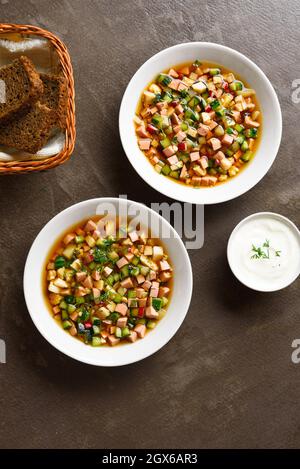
21,167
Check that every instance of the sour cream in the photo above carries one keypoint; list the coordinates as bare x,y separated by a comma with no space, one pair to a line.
264,251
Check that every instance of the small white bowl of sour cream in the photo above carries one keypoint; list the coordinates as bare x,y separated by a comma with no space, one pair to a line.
263,251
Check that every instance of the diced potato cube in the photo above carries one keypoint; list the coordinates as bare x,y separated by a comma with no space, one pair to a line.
148,250
53,288
154,88
199,86
69,251
90,241
158,253
76,265
60,283
148,97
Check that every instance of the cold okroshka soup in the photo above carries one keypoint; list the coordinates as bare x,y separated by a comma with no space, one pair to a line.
107,286
198,123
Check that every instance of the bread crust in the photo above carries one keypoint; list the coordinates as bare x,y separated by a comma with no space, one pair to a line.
55,97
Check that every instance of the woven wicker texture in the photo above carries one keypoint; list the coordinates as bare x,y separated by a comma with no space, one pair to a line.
21,167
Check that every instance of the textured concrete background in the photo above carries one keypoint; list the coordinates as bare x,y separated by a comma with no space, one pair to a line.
226,379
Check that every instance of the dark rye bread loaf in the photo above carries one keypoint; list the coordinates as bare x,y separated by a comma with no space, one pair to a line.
23,87
28,131
55,97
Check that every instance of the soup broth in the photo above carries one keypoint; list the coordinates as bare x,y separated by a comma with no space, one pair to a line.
107,284
198,124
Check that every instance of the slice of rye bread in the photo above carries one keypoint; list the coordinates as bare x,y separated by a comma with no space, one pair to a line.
23,87
55,97
28,131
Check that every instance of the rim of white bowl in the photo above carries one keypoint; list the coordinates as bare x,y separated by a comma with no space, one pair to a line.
277,216
205,196
157,345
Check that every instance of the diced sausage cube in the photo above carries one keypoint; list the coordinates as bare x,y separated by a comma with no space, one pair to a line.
96,234
141,131
163,291
173,73
129,256
142,302
236,115
173,160
88,283
152,275
139,292
209,180
80,276
121,262
127,283
175,119
180,136
133,236
174,84
164,265
121,308
68,238
182,86
203,162
140,329
146,285
56,309
121,322
194,156
165,276
144,143
90,226
96,292
203,130
170,150
179,109
113,340
96,275
132,336
184,172
227,140
140,278
176,129
154,292
151,313
215,143
250,122
80,291
212,125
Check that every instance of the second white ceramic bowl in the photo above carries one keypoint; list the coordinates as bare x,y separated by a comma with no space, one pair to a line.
238,63
106,356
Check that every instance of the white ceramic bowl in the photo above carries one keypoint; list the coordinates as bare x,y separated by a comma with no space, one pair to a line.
238,63
105,356
265,225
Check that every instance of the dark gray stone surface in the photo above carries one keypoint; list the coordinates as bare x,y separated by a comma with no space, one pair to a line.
226,379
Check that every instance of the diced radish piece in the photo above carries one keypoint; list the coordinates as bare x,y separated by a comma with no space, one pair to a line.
151,129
